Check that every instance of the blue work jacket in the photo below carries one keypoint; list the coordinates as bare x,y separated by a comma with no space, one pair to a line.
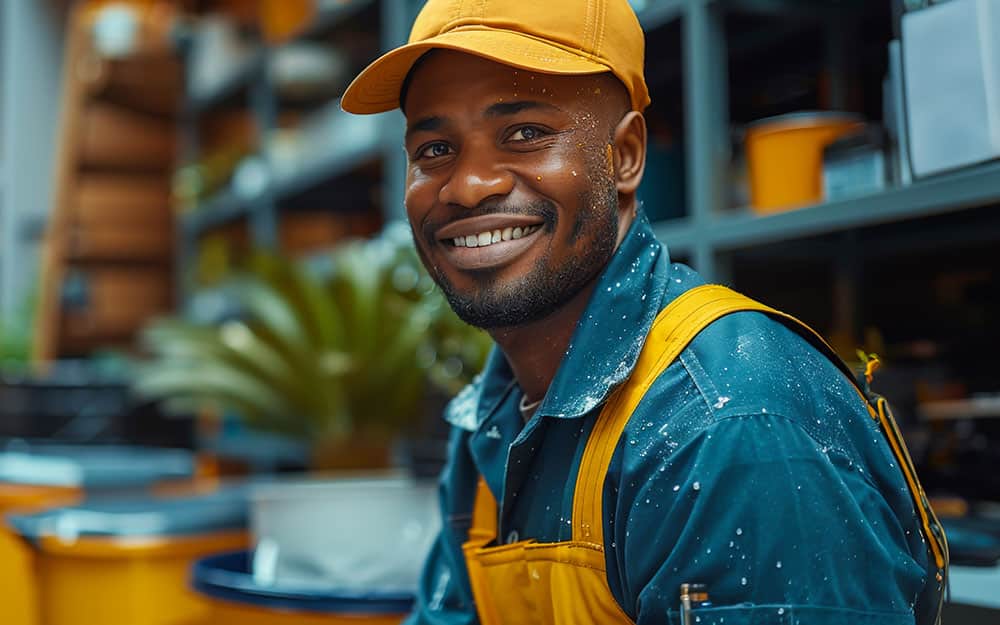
751,465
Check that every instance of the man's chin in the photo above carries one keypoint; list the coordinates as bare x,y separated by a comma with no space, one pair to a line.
496,305
491,310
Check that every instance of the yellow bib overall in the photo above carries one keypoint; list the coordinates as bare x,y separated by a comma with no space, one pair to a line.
565,583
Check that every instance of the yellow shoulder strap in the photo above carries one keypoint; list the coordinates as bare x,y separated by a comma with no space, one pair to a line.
674,328
484,515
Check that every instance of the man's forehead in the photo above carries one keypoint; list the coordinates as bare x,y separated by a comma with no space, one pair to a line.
446,78
442,72
440,65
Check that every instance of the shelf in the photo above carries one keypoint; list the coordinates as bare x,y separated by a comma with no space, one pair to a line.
659,13
146,83
241,77
987,407
813,10
222,209
679,235
326,167
227,206
968,188
948,193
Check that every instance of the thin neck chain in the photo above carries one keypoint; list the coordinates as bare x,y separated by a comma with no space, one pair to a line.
526,408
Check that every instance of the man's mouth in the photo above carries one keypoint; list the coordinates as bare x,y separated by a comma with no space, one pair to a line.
489,241
486,238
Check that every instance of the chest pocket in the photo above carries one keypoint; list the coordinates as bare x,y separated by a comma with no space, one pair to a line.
565,583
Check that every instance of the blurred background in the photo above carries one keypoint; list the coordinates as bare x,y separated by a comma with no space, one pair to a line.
222,366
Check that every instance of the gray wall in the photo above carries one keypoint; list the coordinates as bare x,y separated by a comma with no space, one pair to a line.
31,49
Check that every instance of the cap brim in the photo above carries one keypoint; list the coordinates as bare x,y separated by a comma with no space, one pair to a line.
377,88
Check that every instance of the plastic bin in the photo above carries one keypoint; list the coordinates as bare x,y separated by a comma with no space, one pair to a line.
237,598
36,477
785,157
126,561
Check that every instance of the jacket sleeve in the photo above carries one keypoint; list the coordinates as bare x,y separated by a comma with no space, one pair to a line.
444,596
779,527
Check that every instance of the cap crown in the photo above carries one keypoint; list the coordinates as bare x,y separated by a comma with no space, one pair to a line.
606,32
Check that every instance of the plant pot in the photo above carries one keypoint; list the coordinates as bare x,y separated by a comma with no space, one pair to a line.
359,452
359,534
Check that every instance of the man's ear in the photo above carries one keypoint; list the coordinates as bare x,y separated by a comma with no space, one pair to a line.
630,152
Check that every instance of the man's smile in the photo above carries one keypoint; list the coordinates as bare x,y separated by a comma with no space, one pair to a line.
488,241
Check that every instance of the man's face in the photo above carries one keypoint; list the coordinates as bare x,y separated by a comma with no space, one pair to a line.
511,188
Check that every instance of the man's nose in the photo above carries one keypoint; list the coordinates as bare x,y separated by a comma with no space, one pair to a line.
476,177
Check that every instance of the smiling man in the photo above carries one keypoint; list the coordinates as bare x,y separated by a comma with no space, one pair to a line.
635,429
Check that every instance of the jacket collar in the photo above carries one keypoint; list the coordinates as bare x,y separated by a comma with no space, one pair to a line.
605,344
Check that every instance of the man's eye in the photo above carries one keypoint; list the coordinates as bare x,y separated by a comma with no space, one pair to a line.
527,133
435,150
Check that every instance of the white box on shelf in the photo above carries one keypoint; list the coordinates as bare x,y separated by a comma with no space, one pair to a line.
894,117
951,66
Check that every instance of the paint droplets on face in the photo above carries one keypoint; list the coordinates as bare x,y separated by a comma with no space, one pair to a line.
483,173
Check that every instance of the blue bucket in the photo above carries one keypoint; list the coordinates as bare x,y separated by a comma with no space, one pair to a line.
228,577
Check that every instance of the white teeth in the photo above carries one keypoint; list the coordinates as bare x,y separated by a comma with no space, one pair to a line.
495,236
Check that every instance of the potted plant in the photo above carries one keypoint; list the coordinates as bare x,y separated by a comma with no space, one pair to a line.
342,361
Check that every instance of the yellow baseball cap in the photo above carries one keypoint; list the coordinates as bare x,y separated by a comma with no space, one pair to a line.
548,36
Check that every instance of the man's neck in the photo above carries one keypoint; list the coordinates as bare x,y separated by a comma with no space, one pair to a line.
535,350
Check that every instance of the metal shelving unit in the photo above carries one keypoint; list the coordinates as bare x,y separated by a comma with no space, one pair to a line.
252,69
954,192
706,234
335,163
222,209
261,210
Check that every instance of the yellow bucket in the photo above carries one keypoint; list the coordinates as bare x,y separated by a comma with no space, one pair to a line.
40,476
124,582
785,156
126,561
18,594
236,598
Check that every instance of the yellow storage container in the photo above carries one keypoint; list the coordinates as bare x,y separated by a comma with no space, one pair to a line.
18,595
126,561
785,157
37,477
236,598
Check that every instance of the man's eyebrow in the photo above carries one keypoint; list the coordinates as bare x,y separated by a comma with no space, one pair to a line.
426,124
502,109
